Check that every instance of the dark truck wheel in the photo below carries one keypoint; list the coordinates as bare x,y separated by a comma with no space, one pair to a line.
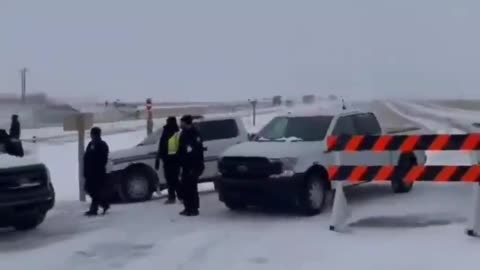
29,222
313,194
406,162
234,205
136,186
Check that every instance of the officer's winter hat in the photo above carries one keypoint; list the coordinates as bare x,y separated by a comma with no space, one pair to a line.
96,131
171,121
187,119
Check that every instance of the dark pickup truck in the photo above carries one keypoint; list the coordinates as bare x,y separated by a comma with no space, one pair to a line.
26,192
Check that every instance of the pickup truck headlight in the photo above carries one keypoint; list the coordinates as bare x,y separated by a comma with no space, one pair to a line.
288,167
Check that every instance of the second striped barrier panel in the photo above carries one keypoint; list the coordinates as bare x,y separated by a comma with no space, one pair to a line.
437,173
404,144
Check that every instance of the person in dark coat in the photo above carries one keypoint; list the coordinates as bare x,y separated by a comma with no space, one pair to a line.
168,153
190,154
15,127
95,172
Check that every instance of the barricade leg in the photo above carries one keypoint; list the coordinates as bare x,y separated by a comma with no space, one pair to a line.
474,223
474,226
340,211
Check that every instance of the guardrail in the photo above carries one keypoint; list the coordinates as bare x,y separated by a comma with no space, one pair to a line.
410,174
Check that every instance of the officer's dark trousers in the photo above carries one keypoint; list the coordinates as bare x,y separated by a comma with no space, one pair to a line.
190,190
171,170
98,191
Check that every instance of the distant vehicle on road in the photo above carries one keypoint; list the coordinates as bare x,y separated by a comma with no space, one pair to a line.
133,170
277,101
308,99
289,103
26,192
287,160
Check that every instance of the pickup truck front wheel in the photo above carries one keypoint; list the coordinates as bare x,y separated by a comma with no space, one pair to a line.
235,204
136,186
406,162
313,194
29,222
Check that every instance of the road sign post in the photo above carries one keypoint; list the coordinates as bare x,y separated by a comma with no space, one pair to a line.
253,102
79,122
149,116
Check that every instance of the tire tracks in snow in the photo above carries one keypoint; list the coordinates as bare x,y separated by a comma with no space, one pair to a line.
431,122
436,125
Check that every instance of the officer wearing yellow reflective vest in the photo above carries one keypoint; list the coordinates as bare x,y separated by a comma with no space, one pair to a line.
168,153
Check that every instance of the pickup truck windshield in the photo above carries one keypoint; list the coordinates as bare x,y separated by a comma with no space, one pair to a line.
302,128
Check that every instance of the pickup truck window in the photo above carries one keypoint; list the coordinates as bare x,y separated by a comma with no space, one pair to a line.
367,124
305,128
218,129
345,126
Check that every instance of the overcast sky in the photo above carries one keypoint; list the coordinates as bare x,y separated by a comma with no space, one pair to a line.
220,50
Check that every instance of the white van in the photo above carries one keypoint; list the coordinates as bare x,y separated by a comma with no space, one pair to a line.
133,170
287,161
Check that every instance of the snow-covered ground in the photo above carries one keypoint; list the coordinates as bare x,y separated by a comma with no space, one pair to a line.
419,230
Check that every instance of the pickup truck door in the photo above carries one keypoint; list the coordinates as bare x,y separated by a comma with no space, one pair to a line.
345,125
351,125
367,124
146,153
217,136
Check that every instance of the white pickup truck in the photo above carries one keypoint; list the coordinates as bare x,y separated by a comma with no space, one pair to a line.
287,160
133,170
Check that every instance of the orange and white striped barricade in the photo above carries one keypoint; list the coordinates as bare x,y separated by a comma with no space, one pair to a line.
405,144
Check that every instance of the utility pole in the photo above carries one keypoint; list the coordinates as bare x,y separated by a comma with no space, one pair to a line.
253,102
23,78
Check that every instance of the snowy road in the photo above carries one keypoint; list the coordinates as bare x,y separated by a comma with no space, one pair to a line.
419,230
150,235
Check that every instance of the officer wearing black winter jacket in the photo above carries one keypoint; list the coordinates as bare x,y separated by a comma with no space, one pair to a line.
95,172
168,153
15,127
190,154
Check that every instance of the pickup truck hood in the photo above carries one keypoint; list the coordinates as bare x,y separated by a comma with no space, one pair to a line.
121,153
133,152
8,161
274,149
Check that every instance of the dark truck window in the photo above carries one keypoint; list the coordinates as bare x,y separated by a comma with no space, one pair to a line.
367,124
218,129
9,145
345,126
302,128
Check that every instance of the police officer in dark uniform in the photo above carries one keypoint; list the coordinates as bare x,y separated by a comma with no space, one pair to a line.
15,127
95,172
168,153
190,153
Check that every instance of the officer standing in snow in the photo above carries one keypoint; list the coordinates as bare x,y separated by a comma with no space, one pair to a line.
168,153
15,127
95,172
190,153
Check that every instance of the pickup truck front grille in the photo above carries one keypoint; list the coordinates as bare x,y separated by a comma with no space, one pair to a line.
248,167
21,180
